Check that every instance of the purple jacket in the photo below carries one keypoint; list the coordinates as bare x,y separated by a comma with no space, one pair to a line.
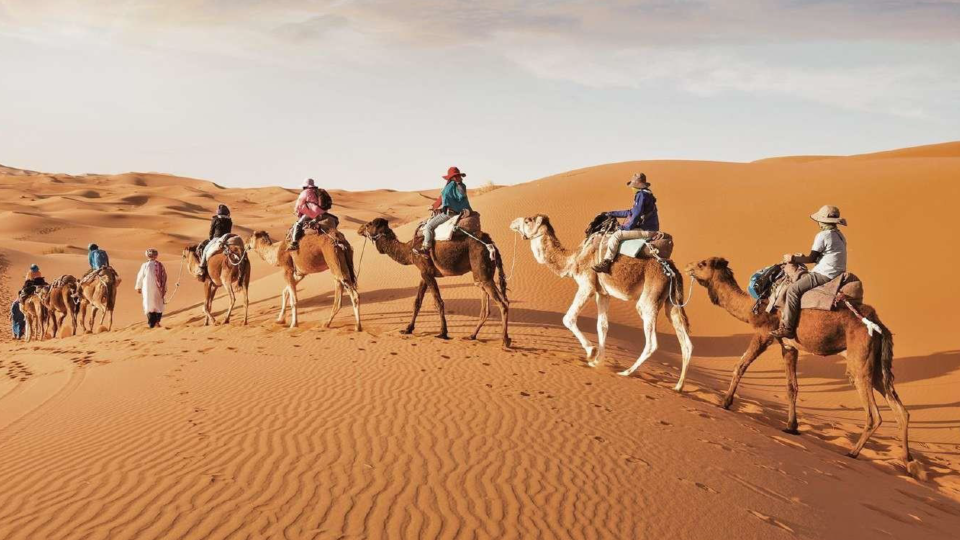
643,216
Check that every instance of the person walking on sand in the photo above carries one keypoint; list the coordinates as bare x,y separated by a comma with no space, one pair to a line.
17,319
453,200
643,221
152,284
829,252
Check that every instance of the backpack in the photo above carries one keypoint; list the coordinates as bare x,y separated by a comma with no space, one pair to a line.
762,281
326,201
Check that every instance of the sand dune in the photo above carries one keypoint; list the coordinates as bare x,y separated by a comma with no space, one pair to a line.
263,431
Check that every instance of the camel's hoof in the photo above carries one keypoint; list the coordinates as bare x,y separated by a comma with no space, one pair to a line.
592,353
594,363
407,331
625,373
469,338
678,388
443,336
791,431
852,455
726,404
916,471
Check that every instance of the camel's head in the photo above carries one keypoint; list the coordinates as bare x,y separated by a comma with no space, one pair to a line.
375,229
257,240
190,254
532,227
708,269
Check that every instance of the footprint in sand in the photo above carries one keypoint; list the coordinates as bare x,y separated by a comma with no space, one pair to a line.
771,521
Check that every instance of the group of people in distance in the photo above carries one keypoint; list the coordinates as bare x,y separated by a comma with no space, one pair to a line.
641,220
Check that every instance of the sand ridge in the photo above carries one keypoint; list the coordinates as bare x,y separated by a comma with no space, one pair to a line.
262,431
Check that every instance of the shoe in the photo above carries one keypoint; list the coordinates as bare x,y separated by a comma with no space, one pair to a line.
423,251
783,333
293,246
604,267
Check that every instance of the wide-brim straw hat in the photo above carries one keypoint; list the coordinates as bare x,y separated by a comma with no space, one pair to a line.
828,214
639,180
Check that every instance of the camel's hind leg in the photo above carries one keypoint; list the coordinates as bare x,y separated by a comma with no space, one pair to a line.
648,312
337,302
232,295
246,303
903,421
355,302
584,292
492,292
484,311
603,325
209,291
417,303
682,327
865,389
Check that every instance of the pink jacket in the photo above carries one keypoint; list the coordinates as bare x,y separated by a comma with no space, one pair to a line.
308,204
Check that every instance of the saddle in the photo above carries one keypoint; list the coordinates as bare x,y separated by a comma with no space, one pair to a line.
452,229
826,297
326,224
660,245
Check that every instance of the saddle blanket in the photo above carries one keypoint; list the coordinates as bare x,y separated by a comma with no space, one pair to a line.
823,297
215,246
446,230
641,248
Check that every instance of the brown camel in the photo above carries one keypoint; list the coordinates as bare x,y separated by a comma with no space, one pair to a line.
642,281
228,268
317,254
99,291
822,333
449,258
61,299
35,315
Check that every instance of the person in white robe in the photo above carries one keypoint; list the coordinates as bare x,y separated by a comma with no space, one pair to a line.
152,284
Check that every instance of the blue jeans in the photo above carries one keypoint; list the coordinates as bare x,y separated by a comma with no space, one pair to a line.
431,226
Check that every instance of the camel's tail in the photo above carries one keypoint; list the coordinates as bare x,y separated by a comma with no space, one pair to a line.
884,360
347,260
673,307
498,261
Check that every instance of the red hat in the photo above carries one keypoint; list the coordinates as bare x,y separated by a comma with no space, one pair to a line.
453,171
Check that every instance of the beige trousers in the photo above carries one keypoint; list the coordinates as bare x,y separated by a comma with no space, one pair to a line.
613,243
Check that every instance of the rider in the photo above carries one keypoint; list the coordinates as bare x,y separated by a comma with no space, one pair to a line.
642,220
453,200
220,225
33,279
307,207
97,257
829,252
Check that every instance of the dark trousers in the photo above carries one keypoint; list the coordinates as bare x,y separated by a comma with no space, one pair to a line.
153,318
791,308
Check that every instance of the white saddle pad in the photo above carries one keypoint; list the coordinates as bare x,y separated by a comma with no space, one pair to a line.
215,246
632,248
445,231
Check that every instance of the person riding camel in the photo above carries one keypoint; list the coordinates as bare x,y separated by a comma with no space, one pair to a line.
97,257
220,225
307,207
829,252
32,281
642,221
453,201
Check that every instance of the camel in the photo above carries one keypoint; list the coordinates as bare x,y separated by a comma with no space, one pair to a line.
35,315
455,257
821,333
61,299
642,281
99,291
317,254
229,269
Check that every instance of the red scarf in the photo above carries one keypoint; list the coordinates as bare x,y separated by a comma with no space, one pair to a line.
161,274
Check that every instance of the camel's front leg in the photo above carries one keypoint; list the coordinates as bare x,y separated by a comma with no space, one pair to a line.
603,324
337,302
758,344
570,319
790,366
208,303
293,307
246,303
417,302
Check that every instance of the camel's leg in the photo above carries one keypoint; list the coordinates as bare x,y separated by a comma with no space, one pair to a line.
293,306
862,381
491,290
758,344
355,302
416,307
647,308
570,319
337,302
246,303
283,304
903,419
603,324
110,326
209,291
790,365
441,309
231,295
484,311
681,327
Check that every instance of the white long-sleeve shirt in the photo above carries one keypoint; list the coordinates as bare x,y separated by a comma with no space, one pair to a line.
147,284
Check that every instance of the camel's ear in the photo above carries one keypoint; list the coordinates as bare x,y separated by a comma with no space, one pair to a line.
723,263
537,222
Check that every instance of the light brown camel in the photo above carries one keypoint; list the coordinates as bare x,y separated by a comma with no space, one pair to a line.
230,270
318,253
98,291
642,281
822,333
35,315
61,299
455,257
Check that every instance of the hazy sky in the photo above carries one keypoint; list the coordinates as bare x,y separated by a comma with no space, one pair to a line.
388,94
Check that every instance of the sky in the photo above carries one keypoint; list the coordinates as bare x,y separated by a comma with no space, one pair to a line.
371,94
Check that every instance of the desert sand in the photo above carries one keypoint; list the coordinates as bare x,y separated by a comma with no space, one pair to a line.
268,432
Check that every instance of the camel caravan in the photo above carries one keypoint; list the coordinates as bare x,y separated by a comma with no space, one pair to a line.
624,256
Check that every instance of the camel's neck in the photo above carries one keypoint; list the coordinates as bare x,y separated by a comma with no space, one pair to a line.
395,249
726,293
269,253
548,250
